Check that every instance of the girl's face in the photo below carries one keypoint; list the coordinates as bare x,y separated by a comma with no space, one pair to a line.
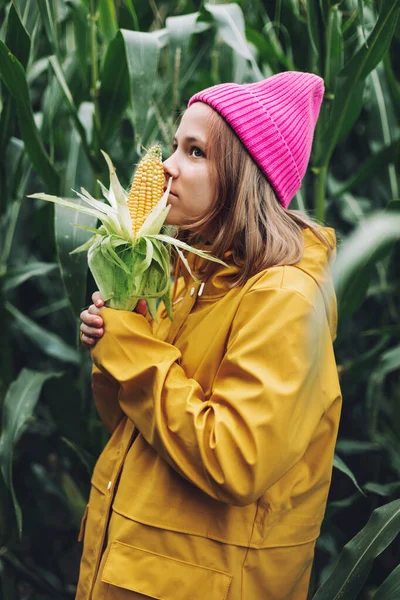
192,189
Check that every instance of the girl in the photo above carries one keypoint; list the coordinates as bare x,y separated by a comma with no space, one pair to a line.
214,483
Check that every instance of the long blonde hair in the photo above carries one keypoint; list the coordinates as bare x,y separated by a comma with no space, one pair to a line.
246,217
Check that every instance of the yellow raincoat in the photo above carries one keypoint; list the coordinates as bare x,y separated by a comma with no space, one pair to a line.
213,485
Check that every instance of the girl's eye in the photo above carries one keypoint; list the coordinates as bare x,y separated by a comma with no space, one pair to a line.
197,150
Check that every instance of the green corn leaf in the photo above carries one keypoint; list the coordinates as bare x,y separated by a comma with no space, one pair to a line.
370,167
114,91
54,98
390,588
46,8
362,247
383,128
355,561
53,61
314,28
17,38
350,83
108,24
178,243
19,404
229,21
142,51
335,50
97,204
73,268
386,489
85,247
339,464
18,276
180,31
48,342
75,206
80,17
186,263
13,76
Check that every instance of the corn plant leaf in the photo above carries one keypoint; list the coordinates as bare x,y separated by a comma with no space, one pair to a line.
118,200
270,52
48,342
141,50
97,204
19,404
60,77
54,99
335,49
374,236
348,99
50,25
108,24
18,276
73,496
73,268
114,90
385,489
179,244
339,464
361,18
68,204
17,38
313,26
370,167
180,30
390,588
383,127
79,14
13,76
355,561
230,23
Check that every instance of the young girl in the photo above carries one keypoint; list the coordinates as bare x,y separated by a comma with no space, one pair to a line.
214,483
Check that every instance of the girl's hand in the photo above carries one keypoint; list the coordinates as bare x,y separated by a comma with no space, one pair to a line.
92,323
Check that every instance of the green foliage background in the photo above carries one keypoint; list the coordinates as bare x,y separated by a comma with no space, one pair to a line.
81,75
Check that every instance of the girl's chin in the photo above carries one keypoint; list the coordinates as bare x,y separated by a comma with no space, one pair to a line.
173,217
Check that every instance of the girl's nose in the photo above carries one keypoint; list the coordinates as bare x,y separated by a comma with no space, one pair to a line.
170,168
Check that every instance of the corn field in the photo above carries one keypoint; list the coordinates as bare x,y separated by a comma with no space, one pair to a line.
81,76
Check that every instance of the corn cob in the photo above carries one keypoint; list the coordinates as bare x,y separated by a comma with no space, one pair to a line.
147,187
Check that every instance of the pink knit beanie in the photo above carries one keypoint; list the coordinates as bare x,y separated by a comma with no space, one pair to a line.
275,119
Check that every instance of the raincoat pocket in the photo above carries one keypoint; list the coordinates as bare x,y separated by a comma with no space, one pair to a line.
162,577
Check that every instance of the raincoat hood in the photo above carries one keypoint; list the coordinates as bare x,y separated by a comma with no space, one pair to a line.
315,262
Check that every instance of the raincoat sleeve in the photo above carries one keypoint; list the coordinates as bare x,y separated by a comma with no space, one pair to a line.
265,404
105,390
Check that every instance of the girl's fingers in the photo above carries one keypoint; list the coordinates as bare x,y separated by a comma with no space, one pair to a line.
93,320
91,331
141,307
87,341
94,310
97,299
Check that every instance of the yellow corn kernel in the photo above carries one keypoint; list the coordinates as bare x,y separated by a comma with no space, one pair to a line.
147,187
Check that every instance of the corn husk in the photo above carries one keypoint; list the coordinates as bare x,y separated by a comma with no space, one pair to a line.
126,266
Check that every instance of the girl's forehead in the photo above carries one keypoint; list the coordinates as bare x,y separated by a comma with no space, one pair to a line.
195,117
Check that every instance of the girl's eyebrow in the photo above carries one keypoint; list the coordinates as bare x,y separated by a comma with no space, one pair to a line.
190,139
